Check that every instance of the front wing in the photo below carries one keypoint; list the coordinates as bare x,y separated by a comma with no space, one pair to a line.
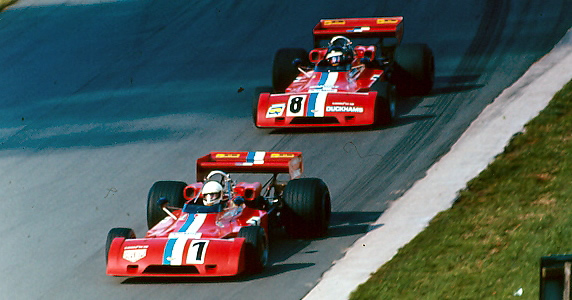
175,257
321,109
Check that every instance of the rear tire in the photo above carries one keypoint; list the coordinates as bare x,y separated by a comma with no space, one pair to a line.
126,233
414,72
256,247
172,190
307,208
283,71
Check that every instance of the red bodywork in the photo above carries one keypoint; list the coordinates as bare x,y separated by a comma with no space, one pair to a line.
321,97
203,243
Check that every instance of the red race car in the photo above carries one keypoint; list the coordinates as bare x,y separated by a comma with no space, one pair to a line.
352,77
217,227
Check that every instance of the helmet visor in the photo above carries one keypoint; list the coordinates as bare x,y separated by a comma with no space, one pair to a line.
211,198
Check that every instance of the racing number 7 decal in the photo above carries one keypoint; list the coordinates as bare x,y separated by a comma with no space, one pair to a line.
197,251
296,105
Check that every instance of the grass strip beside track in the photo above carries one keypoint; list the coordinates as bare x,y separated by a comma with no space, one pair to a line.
489,244
6,3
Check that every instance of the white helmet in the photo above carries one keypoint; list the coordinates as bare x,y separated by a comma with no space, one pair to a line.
212,193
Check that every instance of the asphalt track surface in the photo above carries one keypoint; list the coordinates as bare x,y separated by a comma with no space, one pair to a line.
99,99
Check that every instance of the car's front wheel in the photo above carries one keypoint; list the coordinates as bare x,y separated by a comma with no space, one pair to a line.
256,248
126,233
385,102
283,70
172,191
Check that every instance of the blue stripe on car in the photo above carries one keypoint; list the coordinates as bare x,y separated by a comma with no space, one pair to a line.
250,157
168,251
188,223
313,96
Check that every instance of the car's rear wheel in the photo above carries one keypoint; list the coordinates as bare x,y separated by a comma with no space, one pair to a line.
172,191
256,248
414,72
127,233
307,208
283,70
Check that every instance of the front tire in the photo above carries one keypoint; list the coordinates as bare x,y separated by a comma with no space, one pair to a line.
126,233
307,208
256,97
256,248
385,102
283,71
172,190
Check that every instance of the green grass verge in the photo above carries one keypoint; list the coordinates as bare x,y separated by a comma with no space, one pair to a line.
489,244
5,3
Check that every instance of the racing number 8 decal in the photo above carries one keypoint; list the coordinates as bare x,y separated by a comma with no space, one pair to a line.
296,106
197,251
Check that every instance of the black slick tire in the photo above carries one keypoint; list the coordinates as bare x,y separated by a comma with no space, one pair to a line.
127,233
385,102
307,208
256,248
283,70
172,190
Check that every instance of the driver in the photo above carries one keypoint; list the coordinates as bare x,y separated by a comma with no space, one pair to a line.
340,51
212,193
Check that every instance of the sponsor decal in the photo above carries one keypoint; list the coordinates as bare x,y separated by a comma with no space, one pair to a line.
323,88
387,21
188,235
347,109
334,22
275,110
343,103
227,155
281,155
134,253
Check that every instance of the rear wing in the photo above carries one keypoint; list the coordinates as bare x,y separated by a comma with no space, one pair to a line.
359,27
251,162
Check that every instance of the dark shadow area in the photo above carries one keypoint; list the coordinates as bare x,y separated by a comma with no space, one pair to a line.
398,121
351,223
272,270
313,130
455,84
455,89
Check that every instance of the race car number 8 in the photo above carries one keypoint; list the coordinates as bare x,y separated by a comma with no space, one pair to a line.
296,106
197,251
